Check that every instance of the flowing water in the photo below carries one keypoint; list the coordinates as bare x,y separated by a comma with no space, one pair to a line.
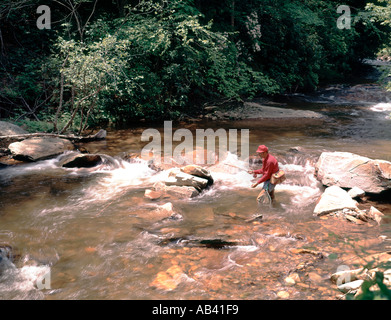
91,234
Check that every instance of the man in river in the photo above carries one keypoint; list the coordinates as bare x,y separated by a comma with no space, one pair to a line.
269,167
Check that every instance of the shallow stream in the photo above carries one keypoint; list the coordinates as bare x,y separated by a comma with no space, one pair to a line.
90,234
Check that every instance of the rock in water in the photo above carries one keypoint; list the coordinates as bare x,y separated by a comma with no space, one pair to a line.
7,128
351,286
35,149
348,170
182,192
356,192
164,211
333,199
198,171
152,194
168,280
184,179
83,161
101,134
375,214
176,192
159,213
346,275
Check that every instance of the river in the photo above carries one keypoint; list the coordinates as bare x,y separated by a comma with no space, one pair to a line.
89,233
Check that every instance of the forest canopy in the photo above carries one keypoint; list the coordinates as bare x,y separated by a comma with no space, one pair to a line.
74,64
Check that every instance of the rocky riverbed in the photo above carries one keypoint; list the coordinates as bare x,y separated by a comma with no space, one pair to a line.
292,259
108,224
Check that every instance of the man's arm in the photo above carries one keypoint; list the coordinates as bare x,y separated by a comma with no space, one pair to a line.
263,178
269,169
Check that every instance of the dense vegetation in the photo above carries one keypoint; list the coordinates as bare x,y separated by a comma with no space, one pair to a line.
381,13
120,61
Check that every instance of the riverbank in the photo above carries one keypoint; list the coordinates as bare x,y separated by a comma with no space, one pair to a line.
366,94
361,90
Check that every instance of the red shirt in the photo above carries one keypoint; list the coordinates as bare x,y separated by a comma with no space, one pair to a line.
269,166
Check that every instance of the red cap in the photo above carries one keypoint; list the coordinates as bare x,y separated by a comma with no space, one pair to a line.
262,148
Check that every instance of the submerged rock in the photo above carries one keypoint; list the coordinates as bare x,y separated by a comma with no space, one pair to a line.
164,211
182,192
153,194
296,149
35,149
348,170
168,280
159,213
160,190
292,279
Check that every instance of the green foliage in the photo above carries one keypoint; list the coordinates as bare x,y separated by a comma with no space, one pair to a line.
170,61
119,63
22,50
381,13
369,293
34,125
86,69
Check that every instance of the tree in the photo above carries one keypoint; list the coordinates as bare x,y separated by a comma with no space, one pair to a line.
381,13
86,70
123,60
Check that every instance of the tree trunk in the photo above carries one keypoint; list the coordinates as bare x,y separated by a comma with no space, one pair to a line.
233,14
101,134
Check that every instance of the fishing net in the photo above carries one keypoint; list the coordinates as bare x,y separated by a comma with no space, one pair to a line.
264,198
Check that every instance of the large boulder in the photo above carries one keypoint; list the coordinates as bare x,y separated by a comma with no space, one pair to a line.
181,183
333,199
7,129
348,170
184,179
82,161
35,149
198,171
